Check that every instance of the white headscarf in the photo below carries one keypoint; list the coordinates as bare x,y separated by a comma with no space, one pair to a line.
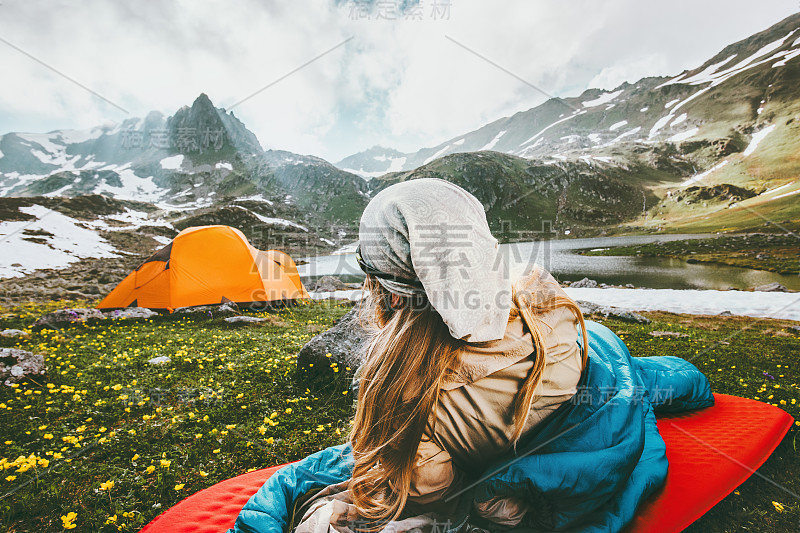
434,231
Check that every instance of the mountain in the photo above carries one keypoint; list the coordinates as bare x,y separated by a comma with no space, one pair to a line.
734,121
68,195
528,199
374,162
711,149
732,93
192,158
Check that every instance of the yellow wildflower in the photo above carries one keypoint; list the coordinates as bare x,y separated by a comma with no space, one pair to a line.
68,520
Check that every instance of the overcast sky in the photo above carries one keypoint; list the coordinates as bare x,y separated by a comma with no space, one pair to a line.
406,83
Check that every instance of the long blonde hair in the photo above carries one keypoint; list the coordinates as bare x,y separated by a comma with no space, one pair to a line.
406,362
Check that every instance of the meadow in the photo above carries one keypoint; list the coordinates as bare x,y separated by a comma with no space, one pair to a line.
106,441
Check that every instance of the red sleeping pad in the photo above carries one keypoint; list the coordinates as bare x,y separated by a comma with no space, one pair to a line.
710,452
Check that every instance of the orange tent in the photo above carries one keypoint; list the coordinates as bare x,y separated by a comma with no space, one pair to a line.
208,265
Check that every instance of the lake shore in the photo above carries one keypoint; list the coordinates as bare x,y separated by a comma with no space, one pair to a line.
772,252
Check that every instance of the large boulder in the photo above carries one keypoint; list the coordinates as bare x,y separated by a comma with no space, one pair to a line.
16,365
345,343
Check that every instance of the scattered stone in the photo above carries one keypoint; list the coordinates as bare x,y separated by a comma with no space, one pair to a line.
130,312
629,286
16,365
67,316
252,319
725,313
584,283
160,360
771,287
344,342
668,334
589,308
14,333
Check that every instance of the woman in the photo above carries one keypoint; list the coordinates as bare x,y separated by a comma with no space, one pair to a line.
480,399
463,362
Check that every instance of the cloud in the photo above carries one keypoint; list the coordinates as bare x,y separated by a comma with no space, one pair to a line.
400,83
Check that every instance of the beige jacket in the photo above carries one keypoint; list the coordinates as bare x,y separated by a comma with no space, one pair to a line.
473,422
471,425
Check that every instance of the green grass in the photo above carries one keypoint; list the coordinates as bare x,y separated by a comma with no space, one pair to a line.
84,424
776,253
104,414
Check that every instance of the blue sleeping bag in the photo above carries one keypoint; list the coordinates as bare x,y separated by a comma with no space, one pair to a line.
585,468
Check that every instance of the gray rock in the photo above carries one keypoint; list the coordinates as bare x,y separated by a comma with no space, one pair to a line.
584,283
130,312
329,284
252,319
160,360
14,333
67,316
224,309
16,365
589,308
344,341
771,287
795,328
725,313
668,334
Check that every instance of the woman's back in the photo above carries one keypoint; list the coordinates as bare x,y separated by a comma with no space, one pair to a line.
472,425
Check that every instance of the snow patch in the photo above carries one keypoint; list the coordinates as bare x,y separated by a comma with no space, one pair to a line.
660,123
695,302
602,99
172,163
274,221
678,120
682,136
437,154
617,125
698,177
551,125
788,57
756,139
221,164
68,243
784,195
628,133
493,142
671,103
